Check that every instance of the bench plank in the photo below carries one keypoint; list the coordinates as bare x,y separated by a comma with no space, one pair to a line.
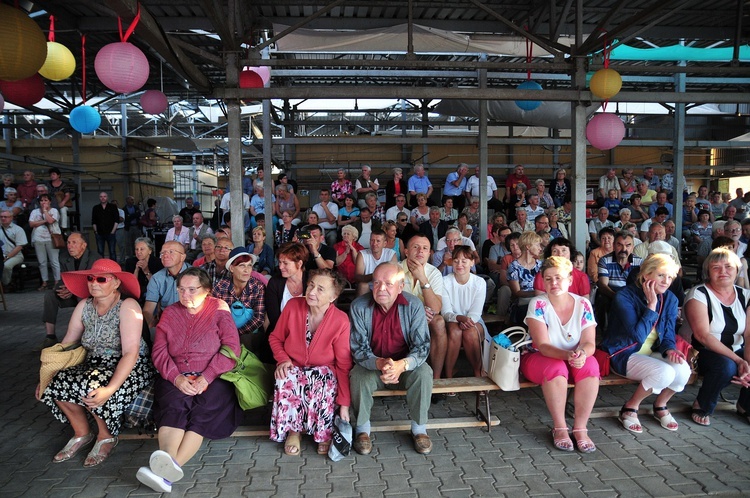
433,423
442,386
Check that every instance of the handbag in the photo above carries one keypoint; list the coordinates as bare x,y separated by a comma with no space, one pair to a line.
341,439
504,367
252,381
59,357
241,314
58,241
602,357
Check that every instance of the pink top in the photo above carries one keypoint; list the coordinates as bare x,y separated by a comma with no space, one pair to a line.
191,343
329,346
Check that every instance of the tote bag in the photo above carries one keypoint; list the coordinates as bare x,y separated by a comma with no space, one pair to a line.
252,382
505,363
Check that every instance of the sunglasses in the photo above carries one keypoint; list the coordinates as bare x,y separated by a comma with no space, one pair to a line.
98,280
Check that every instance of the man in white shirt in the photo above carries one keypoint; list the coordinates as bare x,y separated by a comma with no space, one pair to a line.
225,202
369,259
195,236
328,213
608,182
472,190
533,209
400,207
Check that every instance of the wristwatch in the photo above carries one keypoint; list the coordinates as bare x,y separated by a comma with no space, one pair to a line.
426,286
317,256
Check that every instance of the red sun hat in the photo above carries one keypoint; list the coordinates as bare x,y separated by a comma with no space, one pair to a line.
76,281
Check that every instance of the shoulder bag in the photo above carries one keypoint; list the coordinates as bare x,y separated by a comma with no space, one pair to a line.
505,362
59,357
252,381
58,241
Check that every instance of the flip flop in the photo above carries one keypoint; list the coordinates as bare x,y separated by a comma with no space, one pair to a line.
631,423
323,447
292,444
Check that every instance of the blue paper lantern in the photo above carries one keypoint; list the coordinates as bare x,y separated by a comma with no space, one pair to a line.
529,105
85,119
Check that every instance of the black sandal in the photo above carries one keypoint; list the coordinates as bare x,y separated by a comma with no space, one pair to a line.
698,413
743,414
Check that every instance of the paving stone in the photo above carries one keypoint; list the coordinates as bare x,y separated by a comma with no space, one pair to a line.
592,483
370,490
427,489
571,489
634,468
555,474
290,487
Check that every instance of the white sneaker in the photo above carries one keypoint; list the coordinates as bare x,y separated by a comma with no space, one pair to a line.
158,484
163,465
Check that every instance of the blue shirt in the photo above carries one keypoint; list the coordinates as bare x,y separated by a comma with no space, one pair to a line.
653,207
452,190
162,288
617,275
614,206
419,185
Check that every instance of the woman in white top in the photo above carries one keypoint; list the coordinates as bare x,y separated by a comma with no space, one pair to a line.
178,232
41,220
563,331
463,298
716,314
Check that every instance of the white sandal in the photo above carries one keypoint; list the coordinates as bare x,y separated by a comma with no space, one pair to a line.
667,419
631,423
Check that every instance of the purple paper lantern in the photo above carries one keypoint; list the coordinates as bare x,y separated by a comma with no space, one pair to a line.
121,67
85,119
529,105
605,131
153,102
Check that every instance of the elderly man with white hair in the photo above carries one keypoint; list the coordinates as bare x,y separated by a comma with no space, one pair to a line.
365,184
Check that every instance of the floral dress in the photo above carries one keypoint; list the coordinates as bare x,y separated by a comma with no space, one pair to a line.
305,400
101,338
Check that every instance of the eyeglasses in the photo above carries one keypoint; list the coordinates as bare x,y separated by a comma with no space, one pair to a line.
98,280
735,230
188,290
223,248
169,251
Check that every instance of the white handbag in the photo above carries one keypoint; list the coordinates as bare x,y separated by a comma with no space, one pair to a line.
505,363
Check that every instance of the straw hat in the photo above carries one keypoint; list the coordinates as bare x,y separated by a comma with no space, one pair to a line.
76,281
56,358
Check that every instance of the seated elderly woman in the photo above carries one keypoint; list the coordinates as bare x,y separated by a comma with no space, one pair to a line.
108,324
191,402
311,347
563,331
640,340
143,265
347,251
716,315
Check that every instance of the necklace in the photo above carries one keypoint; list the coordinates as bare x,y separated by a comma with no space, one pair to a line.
97,325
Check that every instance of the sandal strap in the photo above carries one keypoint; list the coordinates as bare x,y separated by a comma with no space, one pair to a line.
660,408
579,430
628,410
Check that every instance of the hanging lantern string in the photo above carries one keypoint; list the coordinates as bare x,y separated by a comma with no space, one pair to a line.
529,53
83,68
51,36
605,53
131,28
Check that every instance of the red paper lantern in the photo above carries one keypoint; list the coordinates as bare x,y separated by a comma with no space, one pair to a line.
23,46
153,102
605,131
121,67
24,93
263,71
250,79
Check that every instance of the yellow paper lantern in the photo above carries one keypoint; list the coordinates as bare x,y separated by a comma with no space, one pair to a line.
23,47
606,83
60,62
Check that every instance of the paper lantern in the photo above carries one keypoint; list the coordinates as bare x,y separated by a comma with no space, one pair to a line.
605,131
606,83
263,71
121,67
250,79
153,102
85,119
60,62
529,105
24,93
23,46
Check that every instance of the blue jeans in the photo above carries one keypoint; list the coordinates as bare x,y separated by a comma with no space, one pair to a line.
717,371
111,240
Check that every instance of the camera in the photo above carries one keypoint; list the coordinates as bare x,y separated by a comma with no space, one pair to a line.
303,234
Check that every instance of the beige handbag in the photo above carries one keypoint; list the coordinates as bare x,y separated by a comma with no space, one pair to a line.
59,357
505,362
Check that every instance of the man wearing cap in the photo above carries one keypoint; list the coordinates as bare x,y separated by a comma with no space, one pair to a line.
390,343
13,239
162,288
77,257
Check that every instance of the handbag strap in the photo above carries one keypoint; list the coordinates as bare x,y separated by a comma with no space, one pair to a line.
227,351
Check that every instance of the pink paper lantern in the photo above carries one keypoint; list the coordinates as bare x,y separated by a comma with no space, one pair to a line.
250,79
153,102
263,71
24,93
121,67
605,131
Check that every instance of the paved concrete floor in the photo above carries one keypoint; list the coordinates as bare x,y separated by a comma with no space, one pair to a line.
515,459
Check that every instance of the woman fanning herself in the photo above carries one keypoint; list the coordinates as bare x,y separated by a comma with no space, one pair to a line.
108,323
311,347
716,312
463,299
563,331
190,400
641,339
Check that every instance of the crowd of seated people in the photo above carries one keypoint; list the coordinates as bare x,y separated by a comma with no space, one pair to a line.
421,289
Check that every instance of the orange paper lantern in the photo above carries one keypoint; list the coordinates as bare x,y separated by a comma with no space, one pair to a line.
606,83
23,47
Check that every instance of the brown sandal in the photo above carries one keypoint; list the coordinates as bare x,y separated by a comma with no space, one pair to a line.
323,447
292,444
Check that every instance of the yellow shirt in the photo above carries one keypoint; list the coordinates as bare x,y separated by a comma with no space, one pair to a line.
648,344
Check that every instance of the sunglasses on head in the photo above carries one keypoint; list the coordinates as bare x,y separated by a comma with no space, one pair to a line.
99,280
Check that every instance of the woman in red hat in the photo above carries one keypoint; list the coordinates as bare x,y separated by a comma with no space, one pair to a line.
108,323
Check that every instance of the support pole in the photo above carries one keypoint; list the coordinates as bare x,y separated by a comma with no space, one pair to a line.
483,155
678,153
578,226
236,170
267,164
